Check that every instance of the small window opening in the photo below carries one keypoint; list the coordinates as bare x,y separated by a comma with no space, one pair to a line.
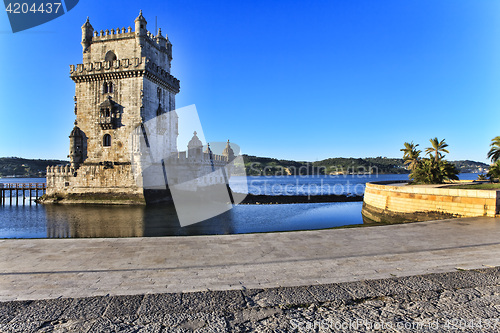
110,56
106,141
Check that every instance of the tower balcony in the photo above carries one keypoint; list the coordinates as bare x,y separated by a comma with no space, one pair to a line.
107,122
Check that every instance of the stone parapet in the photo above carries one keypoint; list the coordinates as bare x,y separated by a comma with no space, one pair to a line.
132,67
115,182
159,75
388,202
105,35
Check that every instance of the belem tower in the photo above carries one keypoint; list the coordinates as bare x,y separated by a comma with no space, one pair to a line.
123,83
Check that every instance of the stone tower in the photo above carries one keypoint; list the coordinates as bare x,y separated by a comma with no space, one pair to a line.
124,80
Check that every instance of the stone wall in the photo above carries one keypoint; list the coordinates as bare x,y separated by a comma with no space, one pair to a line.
93,184
391,202
120,183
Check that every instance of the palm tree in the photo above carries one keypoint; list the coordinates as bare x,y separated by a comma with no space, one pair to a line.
438,147
494,153
494,171
411,155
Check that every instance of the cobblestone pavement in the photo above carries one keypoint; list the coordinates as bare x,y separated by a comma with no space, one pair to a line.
460,301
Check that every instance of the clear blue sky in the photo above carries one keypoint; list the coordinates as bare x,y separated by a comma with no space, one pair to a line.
302,80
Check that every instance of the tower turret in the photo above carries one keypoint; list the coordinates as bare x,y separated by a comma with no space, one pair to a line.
87,33
195,147
76,147
140,25
228,152
162,41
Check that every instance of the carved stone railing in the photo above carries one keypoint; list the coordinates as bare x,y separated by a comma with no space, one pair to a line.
104,66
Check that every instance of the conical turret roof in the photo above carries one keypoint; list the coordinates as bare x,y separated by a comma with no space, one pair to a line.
228,151
140,17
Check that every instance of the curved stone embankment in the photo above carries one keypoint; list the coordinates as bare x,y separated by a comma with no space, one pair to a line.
398,202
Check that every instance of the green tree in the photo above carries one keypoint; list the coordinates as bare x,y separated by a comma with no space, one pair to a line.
494,171
482,176
437,149
494,153
432,170
411,155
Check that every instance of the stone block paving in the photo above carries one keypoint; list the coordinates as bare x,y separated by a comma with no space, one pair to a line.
460,301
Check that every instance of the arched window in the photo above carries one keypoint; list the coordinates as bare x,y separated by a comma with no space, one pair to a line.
106,140
110,87
104,87
110,56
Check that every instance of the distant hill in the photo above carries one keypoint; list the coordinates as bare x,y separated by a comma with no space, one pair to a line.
471,166
340,165
22,167
258,166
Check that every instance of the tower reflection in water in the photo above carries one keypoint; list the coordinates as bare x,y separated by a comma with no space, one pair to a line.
89,221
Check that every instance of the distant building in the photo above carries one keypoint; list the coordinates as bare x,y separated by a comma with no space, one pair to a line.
123,82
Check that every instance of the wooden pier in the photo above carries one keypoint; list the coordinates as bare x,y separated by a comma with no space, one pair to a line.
21,191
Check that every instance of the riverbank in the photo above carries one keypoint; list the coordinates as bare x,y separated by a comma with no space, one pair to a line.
464,300
292,199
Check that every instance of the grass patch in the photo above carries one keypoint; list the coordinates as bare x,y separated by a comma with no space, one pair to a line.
487,186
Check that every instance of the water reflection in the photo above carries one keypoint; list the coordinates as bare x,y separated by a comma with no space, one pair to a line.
94,221
83,221
127,221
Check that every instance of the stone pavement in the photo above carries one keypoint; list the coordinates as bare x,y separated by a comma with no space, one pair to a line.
461,301
62,268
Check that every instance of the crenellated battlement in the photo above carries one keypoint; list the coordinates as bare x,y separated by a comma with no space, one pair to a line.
109,34
184,157
125,33
103,66
60,170
141,35
141,66
156,73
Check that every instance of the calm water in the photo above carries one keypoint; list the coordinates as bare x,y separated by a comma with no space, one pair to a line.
60,221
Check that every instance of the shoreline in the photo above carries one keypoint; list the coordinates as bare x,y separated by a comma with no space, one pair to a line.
254,199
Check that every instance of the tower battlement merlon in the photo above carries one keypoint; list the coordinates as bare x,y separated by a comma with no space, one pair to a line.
113,34
107,66
144,38
124,68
